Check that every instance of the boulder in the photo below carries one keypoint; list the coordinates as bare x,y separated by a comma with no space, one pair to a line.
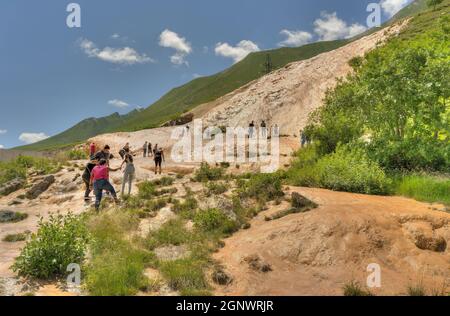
299,201
11,217
11,186
40,187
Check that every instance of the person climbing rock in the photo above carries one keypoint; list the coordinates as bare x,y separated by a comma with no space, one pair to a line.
159,159
87,180
100,181
103,154
129,172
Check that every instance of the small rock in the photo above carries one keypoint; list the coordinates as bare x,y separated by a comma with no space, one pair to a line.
172,253
15,202
436,244
299,201
40,188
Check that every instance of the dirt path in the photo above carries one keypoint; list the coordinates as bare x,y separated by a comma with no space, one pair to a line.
317,253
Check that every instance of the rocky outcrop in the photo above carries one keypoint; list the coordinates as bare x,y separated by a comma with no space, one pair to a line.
185,119
11,186
40,187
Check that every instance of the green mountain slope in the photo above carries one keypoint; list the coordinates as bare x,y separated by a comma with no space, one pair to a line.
201,90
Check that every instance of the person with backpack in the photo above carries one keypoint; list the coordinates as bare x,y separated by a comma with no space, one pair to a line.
123,151
159,159
100,181
129,172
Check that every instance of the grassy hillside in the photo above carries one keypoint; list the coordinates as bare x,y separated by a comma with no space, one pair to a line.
199,91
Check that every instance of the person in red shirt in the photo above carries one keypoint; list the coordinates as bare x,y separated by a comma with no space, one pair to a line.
100,182
92,149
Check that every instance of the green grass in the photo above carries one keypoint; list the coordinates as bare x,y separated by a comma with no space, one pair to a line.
424,188
117,266
186,276
15,237
171,233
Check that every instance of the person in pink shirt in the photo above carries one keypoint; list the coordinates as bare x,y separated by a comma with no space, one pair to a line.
100,182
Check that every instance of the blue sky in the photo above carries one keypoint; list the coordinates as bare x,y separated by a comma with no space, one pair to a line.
127,54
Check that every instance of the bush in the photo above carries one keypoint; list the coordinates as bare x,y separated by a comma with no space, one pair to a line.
164,181
350,169
264,187
206,173
76,154
19,167
60,241
187,209
214,220
147,190
214,188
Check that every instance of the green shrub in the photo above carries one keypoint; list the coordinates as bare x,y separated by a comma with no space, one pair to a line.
76,154
264,187
19,167
206,173
214,220
350,169
164,181
60,241
187,209
215,188
147,190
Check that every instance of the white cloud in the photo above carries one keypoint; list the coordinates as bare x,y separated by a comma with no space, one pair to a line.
124,55
115,36
391,7
237,53
30,138
118,104
3,131
169,39
330,27
2,147
295,38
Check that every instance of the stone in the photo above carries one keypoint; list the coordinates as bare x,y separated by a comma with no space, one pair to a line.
299,201
436,244
11,186
40,187
11,217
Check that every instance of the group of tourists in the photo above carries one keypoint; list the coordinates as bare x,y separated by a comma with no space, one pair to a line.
96,173
252,130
